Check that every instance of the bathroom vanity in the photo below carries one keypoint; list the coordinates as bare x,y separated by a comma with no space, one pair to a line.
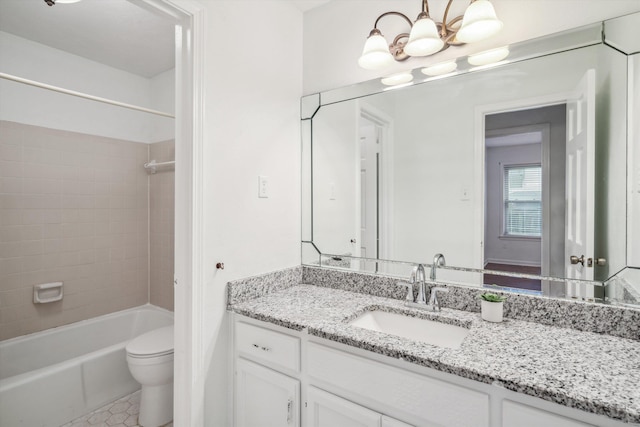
298,360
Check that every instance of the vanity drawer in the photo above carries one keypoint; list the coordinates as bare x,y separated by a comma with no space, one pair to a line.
269,347
427,399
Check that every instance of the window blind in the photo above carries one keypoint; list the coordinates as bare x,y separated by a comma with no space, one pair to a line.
523,200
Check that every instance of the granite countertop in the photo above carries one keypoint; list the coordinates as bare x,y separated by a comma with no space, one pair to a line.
584,370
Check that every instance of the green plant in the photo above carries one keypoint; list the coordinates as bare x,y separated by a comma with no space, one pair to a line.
488,296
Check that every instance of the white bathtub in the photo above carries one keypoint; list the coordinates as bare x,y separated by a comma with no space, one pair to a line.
49,378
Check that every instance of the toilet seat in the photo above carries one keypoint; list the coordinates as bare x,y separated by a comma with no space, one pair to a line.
152,344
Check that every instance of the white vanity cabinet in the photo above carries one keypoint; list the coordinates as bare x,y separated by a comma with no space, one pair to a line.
264,394
265,397
327,410
288,378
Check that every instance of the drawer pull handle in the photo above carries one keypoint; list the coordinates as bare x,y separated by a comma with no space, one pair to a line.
289,408
259,347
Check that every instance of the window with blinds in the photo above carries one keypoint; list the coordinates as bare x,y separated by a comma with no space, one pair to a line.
523,200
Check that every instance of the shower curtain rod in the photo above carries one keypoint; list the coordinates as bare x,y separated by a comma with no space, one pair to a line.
83,95
153,166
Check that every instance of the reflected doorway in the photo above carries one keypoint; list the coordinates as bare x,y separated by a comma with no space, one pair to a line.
525,156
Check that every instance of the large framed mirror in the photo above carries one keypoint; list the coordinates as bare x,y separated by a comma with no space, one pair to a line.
513,170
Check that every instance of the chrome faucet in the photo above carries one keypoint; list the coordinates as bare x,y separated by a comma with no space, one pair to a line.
417,278
438,261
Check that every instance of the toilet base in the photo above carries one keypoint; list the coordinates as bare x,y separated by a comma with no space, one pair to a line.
156,405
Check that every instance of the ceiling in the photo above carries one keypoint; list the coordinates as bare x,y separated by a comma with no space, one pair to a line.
113,32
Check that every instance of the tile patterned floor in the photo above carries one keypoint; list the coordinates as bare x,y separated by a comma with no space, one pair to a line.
121,413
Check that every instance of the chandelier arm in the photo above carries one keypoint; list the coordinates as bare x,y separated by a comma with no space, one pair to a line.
425,6
375,25
443,30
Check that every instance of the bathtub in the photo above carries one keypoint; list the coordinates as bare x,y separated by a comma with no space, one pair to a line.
51,377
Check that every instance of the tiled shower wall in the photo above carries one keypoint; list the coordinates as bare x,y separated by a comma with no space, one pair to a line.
161,199
73,208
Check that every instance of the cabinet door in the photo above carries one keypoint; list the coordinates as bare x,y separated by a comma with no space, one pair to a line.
265,397
327,410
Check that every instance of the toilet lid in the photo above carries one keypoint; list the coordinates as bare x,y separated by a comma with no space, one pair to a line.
152,343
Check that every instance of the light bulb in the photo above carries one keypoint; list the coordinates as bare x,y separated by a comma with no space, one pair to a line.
479,22
489,56
441,68
375,54
397,79
424,38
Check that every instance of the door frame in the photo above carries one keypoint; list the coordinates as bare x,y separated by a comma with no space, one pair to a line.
189,367
385,176
480,112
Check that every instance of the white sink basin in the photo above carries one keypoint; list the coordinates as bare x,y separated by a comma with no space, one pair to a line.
414,328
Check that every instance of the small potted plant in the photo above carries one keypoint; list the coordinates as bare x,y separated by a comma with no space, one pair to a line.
492,306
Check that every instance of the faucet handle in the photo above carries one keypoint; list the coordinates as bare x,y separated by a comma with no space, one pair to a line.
409,287
433,300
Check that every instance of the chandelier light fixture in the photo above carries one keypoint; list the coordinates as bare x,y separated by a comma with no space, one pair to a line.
427,36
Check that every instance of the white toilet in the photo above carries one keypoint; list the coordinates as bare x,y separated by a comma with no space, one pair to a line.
150,360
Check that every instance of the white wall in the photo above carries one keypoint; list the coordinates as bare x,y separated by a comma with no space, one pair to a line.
162,98
35,106
334,159
331,50
252,127
510,250
610,156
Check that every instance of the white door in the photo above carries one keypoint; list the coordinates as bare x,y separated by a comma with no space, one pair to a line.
580,181
327,410
265,397
369,152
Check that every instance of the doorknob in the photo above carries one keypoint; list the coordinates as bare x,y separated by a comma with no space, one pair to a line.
590,261
574,259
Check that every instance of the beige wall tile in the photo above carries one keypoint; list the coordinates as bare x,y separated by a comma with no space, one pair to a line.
10,152
11,169
73,208
161,199
10,185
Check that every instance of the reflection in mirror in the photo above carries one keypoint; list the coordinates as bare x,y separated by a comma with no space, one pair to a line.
525,155
482,167
624,288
